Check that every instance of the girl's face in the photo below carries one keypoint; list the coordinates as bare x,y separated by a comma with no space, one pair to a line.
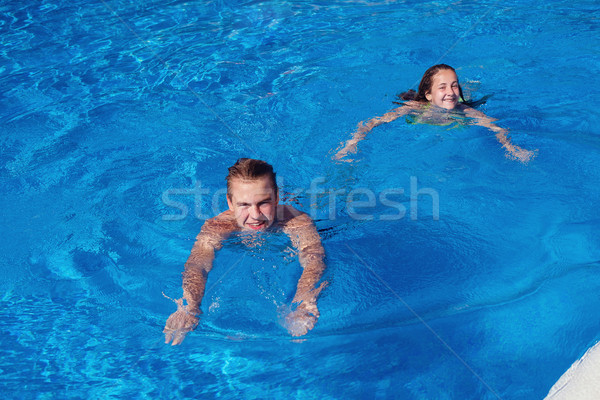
444,90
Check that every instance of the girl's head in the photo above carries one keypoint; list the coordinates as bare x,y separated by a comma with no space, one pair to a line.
440,87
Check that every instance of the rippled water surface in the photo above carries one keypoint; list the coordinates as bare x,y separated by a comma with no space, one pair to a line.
119,119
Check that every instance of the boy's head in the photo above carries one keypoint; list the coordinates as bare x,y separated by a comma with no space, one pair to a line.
248,169
252,193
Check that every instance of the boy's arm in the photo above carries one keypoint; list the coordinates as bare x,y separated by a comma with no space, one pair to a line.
306,239
197,267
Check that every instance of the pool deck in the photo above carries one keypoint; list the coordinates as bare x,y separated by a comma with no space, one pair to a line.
581,381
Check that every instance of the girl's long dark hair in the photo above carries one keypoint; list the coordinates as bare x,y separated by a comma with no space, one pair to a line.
426,84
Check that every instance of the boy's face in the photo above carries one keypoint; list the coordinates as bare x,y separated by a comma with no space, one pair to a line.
444,90
253,202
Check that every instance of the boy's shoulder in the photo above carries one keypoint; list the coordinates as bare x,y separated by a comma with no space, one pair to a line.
289,216
223,222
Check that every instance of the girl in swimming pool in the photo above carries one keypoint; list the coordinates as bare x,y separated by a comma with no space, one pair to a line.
438,101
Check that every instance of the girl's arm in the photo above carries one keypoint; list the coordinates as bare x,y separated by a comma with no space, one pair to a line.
364,128
513,151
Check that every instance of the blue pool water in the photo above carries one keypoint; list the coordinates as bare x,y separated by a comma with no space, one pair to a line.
115,115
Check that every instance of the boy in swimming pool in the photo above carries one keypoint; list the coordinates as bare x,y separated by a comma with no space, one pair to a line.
253,201
437,101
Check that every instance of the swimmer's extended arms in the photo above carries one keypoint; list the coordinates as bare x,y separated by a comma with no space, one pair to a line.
513,151
197,267
306,239
364,128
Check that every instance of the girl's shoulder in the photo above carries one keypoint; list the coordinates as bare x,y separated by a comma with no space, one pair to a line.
415,104
470,111
411,107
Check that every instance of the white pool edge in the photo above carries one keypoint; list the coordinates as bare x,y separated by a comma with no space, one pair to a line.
581,381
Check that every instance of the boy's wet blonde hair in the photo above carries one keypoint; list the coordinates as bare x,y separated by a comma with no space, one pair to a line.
249,169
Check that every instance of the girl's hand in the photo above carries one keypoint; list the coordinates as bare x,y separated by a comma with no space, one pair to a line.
349,147
523,155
